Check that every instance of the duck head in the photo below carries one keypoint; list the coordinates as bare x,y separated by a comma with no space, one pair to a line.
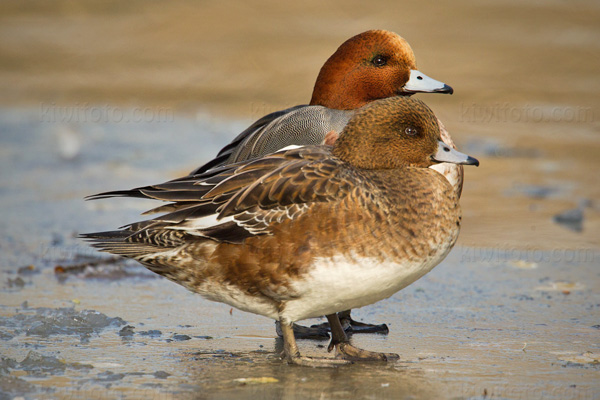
372,65
395,132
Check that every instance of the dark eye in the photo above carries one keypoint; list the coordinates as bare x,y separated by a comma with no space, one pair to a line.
411,131
379,61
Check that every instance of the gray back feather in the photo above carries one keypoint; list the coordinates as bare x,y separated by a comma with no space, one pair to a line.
301,126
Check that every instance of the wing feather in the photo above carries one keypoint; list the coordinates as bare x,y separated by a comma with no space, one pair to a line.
300,125
248,198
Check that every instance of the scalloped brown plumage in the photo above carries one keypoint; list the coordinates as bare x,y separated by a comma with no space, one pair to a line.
308,231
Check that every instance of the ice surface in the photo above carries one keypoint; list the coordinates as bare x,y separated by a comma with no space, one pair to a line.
45,322
39,365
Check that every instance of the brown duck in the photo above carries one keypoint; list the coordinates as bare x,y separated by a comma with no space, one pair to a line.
311,230
372,65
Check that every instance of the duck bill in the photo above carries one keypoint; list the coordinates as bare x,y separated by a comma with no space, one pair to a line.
419,82
447,154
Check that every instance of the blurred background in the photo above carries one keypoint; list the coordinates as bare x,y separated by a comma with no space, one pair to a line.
100,95
525,76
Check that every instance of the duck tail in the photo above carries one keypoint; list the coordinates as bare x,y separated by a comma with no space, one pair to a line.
135,244
123,243
162,251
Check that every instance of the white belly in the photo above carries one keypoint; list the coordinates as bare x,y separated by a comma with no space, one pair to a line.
236,298
333,284
342,283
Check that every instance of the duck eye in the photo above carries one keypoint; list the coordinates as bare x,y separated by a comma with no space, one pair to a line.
411,131
379,61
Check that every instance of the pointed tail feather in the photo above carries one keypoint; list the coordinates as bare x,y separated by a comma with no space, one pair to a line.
119,243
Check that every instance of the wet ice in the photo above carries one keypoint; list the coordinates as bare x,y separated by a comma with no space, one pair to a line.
45,322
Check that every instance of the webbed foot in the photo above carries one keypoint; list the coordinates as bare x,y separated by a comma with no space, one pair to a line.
346,351
351,326
292,355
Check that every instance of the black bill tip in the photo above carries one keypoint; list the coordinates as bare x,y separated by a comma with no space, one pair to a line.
472,161
445,89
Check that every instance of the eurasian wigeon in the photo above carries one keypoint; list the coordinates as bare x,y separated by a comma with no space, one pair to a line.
372,65
310,230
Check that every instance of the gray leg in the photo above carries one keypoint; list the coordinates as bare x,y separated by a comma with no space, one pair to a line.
304,332
292,354
340,342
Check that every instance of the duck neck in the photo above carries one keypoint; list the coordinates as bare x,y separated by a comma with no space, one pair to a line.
334,88
453,173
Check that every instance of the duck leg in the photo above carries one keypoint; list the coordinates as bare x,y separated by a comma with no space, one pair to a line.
340,341
304,332
291,353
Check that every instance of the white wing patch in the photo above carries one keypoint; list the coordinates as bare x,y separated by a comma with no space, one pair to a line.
290,147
